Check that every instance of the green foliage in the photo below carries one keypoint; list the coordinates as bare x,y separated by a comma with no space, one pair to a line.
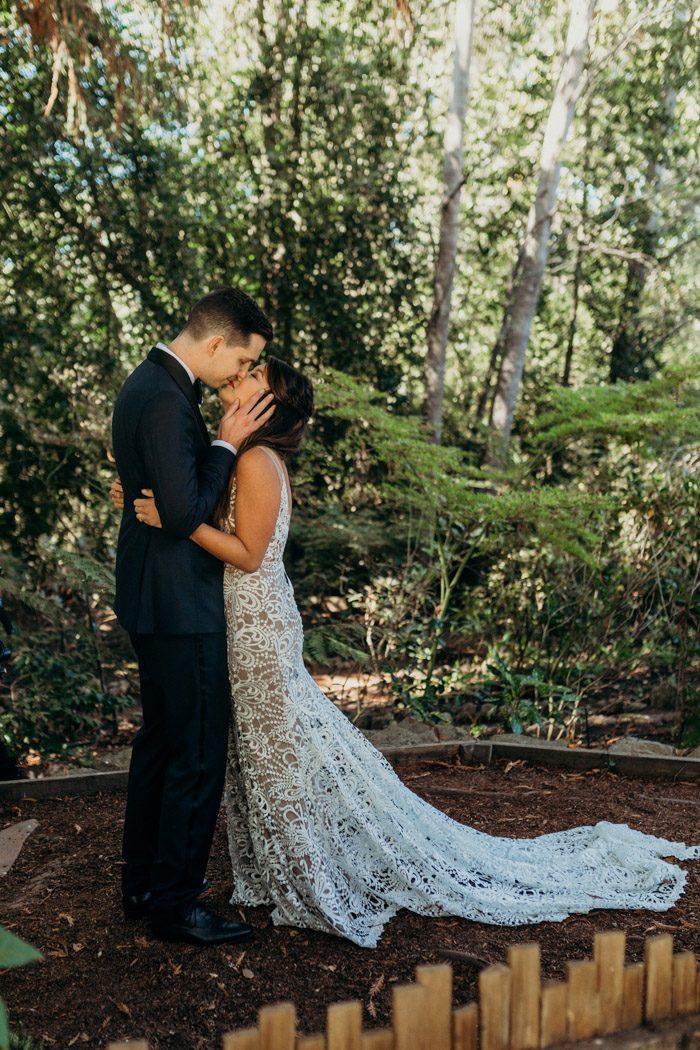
305,167
57,698
321,644
61,688
13,952
20,1041
418,695
450,518
637,605
519,700
655,414
396,467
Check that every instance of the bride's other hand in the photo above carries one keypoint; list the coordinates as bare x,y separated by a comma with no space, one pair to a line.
116,494
146,510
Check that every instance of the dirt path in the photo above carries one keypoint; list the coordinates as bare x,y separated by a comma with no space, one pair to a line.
105,979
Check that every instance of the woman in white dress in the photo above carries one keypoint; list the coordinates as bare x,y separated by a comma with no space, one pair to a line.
320,827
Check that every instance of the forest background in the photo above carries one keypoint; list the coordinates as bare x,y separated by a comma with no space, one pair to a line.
488,268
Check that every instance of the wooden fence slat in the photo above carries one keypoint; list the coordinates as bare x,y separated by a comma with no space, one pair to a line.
378,1039
310,1042
410,1019
437,981
494,1007
243,1039
465,1027
632,992
658,964
277,1025
344,1026
553,1013
515,1012
524,964
582,999
609,955
684,978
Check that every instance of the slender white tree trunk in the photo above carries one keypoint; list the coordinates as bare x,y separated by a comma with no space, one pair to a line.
449,218
522,303
631,356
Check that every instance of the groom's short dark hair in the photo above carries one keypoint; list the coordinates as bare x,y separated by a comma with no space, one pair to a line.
231,312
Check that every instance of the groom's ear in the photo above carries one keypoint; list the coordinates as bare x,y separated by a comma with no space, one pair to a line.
214,343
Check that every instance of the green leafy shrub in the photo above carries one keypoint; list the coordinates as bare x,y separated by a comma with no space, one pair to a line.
520,700
13,952
441,516
62,686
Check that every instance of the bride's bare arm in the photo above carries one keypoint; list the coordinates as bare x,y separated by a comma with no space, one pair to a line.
258,493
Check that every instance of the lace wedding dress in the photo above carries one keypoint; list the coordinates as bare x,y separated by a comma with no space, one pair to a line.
321,827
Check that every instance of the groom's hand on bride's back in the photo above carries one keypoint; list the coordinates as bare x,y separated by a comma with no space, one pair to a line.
239,422
116,494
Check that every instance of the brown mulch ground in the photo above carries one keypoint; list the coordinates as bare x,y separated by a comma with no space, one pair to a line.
104,979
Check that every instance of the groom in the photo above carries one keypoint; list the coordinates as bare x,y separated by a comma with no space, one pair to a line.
170,600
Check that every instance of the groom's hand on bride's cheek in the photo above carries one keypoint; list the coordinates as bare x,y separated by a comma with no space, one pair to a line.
239,422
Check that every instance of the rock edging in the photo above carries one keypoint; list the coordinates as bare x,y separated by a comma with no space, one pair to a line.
472,751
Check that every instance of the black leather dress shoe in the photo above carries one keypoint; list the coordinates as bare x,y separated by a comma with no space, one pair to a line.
201,926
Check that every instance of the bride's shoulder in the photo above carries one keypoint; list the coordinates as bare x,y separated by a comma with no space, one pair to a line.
257,462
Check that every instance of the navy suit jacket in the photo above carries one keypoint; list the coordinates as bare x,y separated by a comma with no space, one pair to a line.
166,584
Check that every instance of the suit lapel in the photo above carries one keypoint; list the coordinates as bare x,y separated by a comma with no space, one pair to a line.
178,373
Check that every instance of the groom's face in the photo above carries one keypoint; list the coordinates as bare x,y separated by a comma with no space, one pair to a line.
230,362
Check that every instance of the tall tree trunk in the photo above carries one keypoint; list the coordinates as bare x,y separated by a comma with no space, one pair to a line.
628,354
449,218
573,324
287,305
580,239
496,350
632,356
522,303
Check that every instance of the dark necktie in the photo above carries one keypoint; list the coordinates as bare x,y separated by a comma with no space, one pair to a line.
198,390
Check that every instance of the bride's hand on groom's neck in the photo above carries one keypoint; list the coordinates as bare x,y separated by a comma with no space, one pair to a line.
240,421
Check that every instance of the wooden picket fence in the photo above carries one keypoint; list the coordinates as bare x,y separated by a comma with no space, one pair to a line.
516,1011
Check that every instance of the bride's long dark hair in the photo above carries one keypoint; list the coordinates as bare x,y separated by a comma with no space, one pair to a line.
286,428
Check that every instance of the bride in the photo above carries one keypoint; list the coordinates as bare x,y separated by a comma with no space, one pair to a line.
319,824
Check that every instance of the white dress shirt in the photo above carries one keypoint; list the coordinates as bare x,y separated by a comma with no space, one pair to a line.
190,373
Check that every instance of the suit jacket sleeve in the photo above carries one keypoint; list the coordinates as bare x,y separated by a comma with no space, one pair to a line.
186,492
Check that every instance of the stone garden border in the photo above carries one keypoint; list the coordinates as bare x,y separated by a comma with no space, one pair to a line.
469,752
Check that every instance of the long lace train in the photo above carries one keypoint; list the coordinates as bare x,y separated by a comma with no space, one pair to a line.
321,827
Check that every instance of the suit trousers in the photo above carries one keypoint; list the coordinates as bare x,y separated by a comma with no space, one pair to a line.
178,766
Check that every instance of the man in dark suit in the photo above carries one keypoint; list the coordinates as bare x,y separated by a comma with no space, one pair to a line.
170,600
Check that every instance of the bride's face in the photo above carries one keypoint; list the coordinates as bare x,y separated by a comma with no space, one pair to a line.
253,384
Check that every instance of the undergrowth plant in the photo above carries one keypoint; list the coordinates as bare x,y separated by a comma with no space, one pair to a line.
580,560
13,952
449,517
62,686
